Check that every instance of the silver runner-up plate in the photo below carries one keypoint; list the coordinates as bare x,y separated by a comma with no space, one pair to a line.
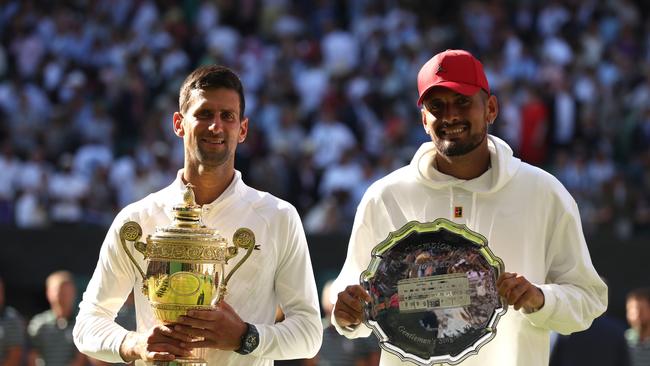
434,294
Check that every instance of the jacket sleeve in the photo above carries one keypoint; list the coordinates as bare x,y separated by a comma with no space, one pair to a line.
300,334
360,246
574,293
96,333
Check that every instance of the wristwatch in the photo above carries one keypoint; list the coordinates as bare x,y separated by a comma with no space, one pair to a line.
249,341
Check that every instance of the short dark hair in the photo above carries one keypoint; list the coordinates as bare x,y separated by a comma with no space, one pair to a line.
642,293
211,77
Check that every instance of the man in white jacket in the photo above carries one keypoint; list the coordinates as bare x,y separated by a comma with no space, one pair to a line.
470,177
240,330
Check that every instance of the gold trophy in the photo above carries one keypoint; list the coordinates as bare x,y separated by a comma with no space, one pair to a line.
186,265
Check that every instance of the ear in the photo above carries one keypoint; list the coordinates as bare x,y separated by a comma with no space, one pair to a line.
492,109
423,114
177,121
243,130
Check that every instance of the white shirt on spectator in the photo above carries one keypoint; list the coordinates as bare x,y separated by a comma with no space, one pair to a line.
67,191
330,139
345,176
340,52
29,212
90,155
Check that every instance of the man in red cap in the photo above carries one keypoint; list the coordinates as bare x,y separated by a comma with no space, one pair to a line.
471,177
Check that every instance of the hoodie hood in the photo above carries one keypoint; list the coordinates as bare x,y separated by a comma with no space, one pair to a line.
503,166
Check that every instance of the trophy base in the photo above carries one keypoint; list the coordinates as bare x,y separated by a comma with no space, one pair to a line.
188,361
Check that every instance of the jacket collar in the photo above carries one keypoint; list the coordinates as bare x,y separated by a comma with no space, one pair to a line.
173,194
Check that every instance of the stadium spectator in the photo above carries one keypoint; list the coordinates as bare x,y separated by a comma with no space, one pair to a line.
12,332
50,332
638,335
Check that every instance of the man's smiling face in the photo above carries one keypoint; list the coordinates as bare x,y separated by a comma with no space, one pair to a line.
456,123
212,128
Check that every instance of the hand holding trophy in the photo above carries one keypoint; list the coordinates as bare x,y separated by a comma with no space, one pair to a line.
186,265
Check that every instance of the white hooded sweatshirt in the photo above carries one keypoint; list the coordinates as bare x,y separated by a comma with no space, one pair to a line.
531,223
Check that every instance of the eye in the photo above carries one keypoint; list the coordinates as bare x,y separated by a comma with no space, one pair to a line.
228,116
204,115
463,101
434,106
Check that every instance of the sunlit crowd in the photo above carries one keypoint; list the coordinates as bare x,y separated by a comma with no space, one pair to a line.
87,91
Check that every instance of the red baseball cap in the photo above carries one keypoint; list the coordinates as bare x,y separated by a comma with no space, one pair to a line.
457,70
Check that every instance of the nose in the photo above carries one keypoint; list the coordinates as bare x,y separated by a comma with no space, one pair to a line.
216,124
450,113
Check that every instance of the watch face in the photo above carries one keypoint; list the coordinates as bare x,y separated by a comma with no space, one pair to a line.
250,341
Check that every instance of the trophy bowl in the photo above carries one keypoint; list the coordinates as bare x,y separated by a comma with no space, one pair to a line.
185,265
433,292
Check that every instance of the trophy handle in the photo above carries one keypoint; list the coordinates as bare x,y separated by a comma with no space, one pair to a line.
242,238
132,231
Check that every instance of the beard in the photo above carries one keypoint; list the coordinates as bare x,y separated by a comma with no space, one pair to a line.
461,146
212,157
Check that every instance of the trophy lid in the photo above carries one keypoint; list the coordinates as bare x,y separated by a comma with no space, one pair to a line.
188,213
187,229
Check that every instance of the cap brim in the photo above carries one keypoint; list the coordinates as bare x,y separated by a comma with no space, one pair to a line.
464,89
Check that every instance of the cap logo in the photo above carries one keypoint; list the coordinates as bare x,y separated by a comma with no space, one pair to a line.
440,69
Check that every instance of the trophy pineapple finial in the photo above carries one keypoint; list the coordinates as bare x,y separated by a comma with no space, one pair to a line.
188,213
188,195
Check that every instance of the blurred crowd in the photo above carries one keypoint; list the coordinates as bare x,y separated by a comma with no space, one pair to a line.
88,88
